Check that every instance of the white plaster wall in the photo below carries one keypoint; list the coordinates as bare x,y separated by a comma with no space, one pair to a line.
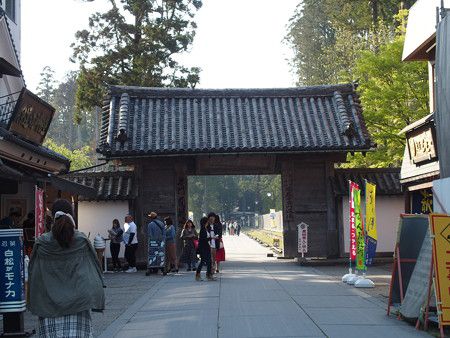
96,217
388,209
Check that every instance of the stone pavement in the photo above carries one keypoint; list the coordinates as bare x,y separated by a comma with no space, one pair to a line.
256,296
122,291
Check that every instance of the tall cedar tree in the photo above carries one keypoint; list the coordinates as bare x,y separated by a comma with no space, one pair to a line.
326,36
135,43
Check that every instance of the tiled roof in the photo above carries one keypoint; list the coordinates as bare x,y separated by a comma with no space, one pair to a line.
157,121
41,150
387,180
109,185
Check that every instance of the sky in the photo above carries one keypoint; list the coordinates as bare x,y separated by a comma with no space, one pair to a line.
238,43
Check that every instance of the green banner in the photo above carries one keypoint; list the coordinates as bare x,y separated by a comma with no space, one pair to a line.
360,236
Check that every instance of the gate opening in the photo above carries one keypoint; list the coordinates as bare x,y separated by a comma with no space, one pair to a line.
252,203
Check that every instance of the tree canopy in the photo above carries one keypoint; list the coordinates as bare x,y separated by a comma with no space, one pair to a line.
135,43
230,195
360,41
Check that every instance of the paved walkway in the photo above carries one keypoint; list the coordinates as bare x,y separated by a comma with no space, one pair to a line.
256,296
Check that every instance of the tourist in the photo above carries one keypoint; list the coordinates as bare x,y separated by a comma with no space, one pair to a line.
63,293
188,255
231,229
171,248
238,229
219,255
204,250
116,237
131,243
216,242
156,232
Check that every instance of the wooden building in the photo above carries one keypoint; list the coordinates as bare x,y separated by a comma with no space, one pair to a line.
300,133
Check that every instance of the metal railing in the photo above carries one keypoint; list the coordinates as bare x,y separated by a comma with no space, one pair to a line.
7,105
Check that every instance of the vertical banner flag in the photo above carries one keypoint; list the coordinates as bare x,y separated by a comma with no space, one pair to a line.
39,212
353,187
360,236
371,223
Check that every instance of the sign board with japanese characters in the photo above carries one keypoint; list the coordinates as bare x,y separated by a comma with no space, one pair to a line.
302,238
12,295
421,145
440,234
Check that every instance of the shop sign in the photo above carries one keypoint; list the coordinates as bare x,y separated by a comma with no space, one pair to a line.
39,217
440,233
421,146
422,201
12,295
32,117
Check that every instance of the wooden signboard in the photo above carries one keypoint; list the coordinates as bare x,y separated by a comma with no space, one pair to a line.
421,145
32,117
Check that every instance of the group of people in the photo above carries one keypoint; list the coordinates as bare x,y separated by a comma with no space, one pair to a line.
162,245
66,311
232,228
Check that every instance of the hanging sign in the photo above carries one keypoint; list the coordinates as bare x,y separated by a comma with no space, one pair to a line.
302,238
359,229
440,234
32,117
12,295
371,223
352,252
39,210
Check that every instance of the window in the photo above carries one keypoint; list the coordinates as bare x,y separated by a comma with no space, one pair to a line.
10,9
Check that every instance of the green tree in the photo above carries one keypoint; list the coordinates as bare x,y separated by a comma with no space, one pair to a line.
328,35
79,158
47,84
135,43
393,95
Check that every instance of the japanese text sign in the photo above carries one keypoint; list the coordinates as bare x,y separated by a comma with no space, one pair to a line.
440,234
12,297
302,238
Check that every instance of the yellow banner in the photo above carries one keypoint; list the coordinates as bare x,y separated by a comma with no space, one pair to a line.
371,216
440,233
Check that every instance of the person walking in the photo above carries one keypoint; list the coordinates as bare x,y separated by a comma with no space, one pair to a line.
204,250
171,247
238,229
131,243
188,255
116,237
65,280
156,232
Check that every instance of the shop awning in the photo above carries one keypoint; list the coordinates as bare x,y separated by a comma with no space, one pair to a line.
9,172
72,187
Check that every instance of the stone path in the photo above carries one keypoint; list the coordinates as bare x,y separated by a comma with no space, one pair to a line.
256,296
